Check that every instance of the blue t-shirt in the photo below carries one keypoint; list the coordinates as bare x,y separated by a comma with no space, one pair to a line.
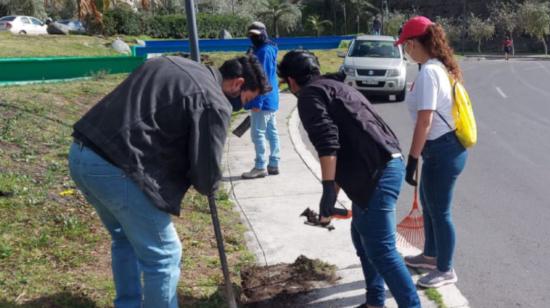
267,55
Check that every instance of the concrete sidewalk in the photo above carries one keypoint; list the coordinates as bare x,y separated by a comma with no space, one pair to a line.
271,207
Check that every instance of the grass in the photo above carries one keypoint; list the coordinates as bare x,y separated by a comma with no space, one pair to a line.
54,251
15,46
433,295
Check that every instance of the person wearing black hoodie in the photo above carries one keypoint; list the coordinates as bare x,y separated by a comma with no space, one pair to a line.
139,149
359,153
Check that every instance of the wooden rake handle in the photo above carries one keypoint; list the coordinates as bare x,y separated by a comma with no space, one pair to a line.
416,177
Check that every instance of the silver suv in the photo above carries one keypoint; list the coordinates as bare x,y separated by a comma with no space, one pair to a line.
374,66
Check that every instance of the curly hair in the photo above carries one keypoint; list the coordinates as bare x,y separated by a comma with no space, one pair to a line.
436,44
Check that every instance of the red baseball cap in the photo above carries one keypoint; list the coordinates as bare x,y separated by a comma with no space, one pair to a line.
414,27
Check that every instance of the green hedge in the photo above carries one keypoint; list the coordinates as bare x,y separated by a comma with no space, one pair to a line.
127,22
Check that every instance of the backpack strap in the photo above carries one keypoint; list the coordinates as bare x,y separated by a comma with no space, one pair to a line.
453,90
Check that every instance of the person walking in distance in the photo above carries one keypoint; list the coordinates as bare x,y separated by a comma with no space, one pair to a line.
263,109
508,47
444,157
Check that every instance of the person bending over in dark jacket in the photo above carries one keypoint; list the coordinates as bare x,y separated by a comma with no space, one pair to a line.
359,153
137,152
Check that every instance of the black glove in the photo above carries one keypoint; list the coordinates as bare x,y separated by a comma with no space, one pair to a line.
328,200
412,163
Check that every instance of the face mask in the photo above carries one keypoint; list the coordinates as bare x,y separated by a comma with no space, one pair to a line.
236,102
409,58
257,40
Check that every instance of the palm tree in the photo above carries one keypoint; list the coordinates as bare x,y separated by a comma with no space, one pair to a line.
87,8
280,9
317,24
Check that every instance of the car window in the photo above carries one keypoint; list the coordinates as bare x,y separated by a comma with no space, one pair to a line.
36,22
7,18
25,20
374,49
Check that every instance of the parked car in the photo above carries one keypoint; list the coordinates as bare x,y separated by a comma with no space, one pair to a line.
374,65
22,25
75,26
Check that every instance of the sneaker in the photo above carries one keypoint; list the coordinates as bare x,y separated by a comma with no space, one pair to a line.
367,306
254,174
436,279
272,170
421,261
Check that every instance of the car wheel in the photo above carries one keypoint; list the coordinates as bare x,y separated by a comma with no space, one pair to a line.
400,96
23,32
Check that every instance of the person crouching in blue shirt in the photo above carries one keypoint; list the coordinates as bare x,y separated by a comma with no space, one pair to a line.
263,108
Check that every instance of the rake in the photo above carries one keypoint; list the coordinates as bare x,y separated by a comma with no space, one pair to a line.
411,228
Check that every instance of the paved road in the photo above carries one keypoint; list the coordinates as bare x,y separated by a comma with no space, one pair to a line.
502,203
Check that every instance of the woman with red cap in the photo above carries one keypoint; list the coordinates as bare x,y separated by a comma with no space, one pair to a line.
430,103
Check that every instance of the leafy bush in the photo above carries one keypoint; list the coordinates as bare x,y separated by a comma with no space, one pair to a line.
125,21
165,26
122,21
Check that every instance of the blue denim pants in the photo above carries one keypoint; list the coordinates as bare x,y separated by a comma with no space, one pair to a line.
373,234
144,240
263,125
443,160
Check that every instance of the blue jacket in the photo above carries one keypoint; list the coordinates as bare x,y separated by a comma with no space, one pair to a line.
267,55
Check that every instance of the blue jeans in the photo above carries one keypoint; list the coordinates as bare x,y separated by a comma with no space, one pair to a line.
443,160
373,234
264,125
144,240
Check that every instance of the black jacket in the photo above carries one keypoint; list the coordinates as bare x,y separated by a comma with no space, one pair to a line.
165,126
341,122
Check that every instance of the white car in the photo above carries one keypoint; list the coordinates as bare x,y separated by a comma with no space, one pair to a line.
375,66
22,25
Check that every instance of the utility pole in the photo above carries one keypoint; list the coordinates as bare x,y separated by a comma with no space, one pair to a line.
192,29
385,14
464,29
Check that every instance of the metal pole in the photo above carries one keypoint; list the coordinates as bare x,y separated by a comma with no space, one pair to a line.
219,239
192,29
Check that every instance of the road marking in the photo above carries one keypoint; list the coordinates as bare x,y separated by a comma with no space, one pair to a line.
501,93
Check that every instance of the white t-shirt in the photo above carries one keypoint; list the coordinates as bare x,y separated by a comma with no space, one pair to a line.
432,91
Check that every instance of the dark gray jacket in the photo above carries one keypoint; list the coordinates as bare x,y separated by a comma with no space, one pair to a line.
165,126
341,122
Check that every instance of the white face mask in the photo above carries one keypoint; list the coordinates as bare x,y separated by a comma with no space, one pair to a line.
410,59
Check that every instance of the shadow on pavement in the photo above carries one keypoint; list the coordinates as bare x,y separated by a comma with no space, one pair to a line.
318,297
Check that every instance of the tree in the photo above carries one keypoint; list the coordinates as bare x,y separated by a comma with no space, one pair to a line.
318,25
506,19
281,11
393,22
452,29
24,7
535,20
480,30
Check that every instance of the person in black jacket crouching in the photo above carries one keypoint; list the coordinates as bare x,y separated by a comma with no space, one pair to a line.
137,152
359,153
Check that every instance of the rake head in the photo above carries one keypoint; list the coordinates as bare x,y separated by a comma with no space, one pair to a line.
411,230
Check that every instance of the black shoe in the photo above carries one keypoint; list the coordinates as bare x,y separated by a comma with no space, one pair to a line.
272,170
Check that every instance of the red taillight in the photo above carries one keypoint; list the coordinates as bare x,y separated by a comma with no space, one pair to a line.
8,25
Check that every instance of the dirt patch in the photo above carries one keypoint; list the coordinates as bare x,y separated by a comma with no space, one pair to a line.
276,284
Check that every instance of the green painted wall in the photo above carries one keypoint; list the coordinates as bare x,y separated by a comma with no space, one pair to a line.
37,69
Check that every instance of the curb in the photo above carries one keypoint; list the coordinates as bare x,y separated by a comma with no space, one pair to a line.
452,297
499,57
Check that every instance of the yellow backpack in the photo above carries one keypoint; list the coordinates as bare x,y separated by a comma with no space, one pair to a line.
463,114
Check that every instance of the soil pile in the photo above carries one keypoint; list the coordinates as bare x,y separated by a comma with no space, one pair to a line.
276,284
